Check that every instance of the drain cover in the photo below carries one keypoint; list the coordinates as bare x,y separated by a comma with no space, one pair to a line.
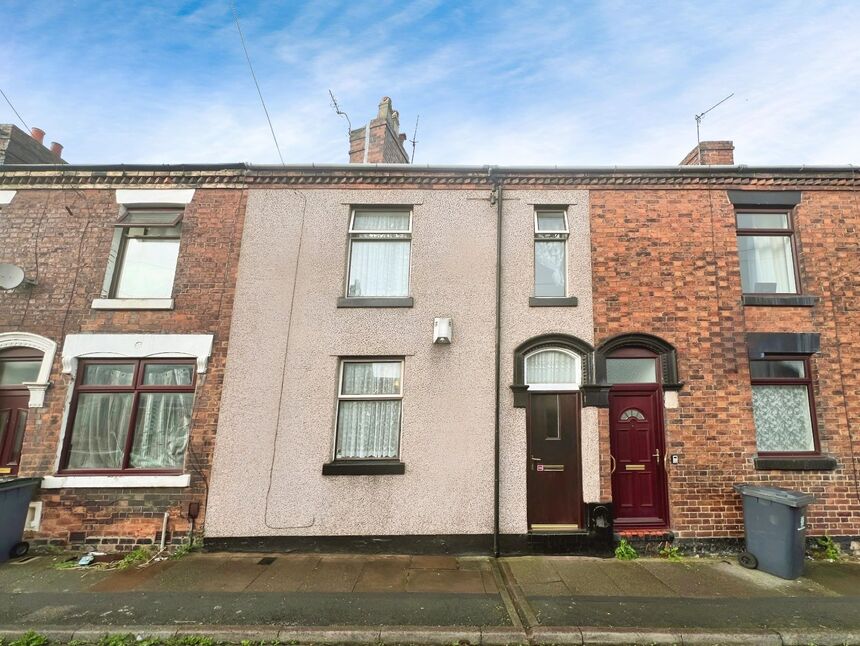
266,560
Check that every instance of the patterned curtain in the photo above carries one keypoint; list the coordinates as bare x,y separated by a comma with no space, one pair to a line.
782,418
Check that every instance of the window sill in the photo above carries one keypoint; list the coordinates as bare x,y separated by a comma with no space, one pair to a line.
364,468
115,482
132,304
553,301
796,463
780,300
371,301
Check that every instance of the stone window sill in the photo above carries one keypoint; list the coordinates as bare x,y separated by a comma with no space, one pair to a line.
553,301
370,301
364,468
781,300
796,463
132,304
115,482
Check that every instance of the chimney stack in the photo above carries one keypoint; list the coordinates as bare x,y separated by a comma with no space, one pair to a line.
711,153
57,149
38,134
380,141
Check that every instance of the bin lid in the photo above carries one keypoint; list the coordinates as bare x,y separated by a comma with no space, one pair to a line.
787,497
15,483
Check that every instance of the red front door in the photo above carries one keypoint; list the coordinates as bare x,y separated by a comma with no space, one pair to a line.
636,443
13,420
554,482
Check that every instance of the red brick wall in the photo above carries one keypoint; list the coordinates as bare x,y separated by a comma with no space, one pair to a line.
665,262
66,251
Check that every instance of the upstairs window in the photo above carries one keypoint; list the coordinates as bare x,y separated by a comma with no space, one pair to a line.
380,243
766,251
551,232
783,406
146,254
129,415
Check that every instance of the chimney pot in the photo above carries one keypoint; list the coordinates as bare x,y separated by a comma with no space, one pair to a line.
57,149
38,134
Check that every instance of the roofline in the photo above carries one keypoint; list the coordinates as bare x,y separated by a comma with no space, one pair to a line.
488,169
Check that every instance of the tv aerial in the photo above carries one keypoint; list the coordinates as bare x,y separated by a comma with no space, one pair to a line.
11,276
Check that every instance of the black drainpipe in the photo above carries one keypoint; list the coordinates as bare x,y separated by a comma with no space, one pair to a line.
497,195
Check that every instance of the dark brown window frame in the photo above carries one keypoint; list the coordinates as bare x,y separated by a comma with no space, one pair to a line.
789,232
791,381
10,355
136,388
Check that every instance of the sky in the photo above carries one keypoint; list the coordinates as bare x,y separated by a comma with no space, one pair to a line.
510,83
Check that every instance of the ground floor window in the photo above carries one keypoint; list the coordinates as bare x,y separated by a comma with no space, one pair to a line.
369,407
783,405
130,415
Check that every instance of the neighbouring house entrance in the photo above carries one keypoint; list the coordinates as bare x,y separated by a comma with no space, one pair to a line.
554,480
17,366
639,496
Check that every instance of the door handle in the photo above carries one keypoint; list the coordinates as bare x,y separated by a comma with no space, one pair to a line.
613,463
536,459
657,455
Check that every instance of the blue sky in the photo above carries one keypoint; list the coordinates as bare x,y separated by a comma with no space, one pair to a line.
572,83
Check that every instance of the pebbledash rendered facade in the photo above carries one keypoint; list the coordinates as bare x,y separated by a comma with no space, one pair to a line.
400,358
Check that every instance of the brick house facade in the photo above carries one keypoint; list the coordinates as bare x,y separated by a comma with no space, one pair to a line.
59,227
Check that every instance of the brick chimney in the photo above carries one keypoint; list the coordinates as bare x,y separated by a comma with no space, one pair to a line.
713,153
380,141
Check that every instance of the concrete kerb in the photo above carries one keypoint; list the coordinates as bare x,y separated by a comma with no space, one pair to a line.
440,636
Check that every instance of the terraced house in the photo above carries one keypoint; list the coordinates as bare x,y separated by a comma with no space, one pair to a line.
434,358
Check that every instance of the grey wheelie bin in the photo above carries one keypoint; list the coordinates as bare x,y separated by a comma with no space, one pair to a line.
15,496
775,523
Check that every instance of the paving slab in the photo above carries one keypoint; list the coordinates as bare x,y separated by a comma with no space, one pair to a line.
199,573
533,569
49,579
839,578
285,574
454,581
431,562
587,577
386,574
133,578
334,574
636,581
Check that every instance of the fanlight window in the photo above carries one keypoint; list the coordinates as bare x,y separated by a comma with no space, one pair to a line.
552,368
632,413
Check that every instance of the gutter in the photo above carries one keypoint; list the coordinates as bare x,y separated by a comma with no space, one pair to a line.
497,195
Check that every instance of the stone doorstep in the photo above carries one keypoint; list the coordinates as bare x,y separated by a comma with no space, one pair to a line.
444,635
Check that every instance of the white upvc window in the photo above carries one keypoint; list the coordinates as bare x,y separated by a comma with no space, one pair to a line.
550,265
552,369
370,395
380,245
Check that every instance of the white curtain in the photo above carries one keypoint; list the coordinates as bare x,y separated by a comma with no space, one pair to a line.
368,429
767,265
163,420
381,221
551,367
101,422
549,268
379,268
100,430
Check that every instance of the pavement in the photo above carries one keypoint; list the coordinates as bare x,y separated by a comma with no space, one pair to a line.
294,598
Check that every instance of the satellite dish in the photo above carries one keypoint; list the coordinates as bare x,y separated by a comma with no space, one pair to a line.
10,276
